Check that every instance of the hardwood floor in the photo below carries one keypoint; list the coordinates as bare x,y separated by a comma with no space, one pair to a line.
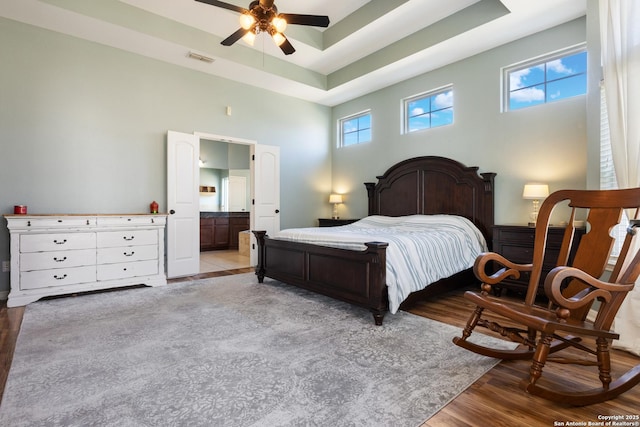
495,399
10,321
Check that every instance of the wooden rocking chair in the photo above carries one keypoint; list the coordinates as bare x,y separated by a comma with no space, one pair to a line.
571,290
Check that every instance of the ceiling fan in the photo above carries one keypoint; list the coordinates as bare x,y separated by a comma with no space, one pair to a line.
262,16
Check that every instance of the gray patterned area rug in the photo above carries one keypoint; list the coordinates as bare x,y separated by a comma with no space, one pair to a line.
229,352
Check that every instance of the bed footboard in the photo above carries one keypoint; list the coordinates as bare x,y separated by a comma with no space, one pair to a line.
357,277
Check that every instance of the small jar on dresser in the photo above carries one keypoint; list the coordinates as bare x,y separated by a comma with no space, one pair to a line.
515,243
64,254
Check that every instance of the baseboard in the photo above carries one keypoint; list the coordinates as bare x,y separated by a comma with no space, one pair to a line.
4,295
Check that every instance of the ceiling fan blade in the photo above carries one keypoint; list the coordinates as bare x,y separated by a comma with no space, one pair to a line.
312,20
286,46
234,37
224,5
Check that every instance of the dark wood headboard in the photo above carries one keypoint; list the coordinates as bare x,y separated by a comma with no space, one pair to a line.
435,185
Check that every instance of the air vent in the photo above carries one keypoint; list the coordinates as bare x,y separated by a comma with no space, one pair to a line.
200,57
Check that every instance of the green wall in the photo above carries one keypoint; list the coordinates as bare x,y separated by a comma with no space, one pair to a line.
83,129
545,143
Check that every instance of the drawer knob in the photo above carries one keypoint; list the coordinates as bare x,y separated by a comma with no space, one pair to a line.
129,254
60,242
55,276
128,238
56,259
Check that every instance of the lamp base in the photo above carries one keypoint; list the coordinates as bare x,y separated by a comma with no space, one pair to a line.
533,216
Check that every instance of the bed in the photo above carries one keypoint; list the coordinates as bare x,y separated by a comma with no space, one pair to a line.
428,185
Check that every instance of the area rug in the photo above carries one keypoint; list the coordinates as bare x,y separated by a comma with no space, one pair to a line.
230,352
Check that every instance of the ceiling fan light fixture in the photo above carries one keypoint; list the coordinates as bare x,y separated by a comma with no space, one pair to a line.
262,17
247,20
279,23
249,38
278,38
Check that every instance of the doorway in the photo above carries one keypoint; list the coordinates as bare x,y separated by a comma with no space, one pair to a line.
224,211
184,220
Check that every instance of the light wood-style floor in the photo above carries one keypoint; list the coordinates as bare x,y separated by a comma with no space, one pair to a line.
495,399
222,260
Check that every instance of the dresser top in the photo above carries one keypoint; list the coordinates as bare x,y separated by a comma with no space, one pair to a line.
79,215
40,223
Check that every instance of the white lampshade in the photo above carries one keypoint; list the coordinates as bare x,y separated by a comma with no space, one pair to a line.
278,38
247,20
535,191
279,23
249,38
335,198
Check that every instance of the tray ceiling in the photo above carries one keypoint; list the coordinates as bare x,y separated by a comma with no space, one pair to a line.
370,44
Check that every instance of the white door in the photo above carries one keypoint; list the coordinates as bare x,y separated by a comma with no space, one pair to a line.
265,188
183,222
237,193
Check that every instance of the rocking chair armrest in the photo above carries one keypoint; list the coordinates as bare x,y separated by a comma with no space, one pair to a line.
598,289
509,269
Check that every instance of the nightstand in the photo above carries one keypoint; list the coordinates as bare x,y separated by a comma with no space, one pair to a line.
515,243
331,222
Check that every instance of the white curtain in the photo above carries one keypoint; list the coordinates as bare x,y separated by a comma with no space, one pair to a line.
620,44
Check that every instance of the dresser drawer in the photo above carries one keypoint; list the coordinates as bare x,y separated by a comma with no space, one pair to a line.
110,239
57,259
127,269
127,254
134,220
49,222
56,242
517,254
57,277
524,235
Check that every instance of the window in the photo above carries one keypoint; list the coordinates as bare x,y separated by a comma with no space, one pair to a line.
355,129
552,78
607,174
428,110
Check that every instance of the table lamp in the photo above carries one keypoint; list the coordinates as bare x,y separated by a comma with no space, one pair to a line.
535,192
336,199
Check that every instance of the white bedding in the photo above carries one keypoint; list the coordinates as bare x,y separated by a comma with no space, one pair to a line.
422,248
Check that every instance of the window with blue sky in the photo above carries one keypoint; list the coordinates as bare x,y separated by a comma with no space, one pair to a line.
355,129
547,79
428,110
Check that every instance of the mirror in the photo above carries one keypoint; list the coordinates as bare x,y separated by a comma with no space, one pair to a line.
224,167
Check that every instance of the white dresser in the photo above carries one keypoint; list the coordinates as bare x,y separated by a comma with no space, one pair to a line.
64,254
